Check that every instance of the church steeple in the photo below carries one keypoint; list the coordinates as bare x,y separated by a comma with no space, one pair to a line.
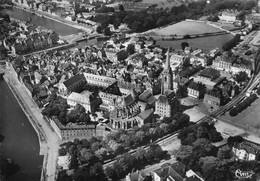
167,76
167,63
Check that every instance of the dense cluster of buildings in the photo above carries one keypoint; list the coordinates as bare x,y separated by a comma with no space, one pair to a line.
132,87
25,38
62,9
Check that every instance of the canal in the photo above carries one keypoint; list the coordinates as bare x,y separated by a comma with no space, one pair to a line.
60,28
21,141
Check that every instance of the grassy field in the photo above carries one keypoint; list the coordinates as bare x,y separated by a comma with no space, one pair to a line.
167,3
187,27
249,117
205,43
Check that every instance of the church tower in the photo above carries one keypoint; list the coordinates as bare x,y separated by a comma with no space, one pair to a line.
167,76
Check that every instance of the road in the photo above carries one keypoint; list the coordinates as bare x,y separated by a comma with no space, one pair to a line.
49,141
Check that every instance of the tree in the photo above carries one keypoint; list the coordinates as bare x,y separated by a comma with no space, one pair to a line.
99,29
111,173
101,153
121,7
72,149
189,140
205,143
96,171
2,138
224,153
233,111
73,162
130,49
62,151
184,153
140,155
95,146
107,31
241,76
87,157
202,132
208,163
232,43
184,45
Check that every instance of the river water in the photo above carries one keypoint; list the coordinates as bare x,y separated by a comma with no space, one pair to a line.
21,141
60,28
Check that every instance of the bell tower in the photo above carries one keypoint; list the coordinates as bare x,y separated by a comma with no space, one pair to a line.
167,75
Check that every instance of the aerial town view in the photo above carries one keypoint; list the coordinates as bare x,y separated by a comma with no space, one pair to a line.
129,90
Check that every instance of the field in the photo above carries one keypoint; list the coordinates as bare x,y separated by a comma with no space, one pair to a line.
248,117
186,27
167,3
205,43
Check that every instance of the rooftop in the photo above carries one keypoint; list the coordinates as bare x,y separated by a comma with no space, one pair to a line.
73,80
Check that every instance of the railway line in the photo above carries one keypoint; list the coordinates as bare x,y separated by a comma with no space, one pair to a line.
252,83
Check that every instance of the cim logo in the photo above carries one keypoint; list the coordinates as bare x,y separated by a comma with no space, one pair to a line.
244,174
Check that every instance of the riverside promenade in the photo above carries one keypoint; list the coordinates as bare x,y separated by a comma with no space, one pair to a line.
49,141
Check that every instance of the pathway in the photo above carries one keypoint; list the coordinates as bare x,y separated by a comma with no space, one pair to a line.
49,149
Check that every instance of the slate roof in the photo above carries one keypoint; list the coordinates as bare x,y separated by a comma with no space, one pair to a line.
175,171
73,80
147,97
209,73
127,100
145,114
197,86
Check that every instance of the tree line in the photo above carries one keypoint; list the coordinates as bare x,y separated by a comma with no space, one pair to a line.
152,17
210,162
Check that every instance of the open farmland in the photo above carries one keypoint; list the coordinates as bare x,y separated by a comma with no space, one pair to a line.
186,27
167,3
205,43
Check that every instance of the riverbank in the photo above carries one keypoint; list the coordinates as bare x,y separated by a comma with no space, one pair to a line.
55,18
21,143
50,146
18,95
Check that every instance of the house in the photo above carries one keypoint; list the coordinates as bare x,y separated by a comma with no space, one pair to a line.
148,98
176,60
209,74
126,87
111,54
73,84
166,105
136,176
229,15
108,95
86,99
196,90
72,131
144,117
63,162
199,59
222,63
213,97
138,60
98,80
210,78
246,151
175,172
236,68
180,81
169,172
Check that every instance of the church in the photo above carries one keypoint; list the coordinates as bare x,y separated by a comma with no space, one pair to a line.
167,105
